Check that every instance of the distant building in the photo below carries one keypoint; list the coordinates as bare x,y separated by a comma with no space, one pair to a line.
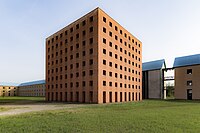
187,77
93,60
153,80
8,90
35,88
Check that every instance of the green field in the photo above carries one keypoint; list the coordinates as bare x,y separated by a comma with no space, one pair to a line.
20,100
3,109
151,116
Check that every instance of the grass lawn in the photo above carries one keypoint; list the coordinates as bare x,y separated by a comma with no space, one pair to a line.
20,100
3,109
151,116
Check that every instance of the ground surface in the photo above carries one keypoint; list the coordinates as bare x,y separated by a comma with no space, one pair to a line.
146,116
20,109
20,100
20,105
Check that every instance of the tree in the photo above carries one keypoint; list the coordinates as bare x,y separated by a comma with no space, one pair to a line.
170,90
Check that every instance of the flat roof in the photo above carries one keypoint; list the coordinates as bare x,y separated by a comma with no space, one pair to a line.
33,83
187,61
153,65
82,17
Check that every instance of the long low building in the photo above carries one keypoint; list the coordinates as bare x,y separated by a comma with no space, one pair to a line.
8,89
34,88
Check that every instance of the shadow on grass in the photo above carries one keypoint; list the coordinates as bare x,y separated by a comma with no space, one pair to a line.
39,102
21,102
182,101
173,100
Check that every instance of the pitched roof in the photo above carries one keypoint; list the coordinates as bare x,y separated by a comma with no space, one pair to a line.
187,61
153,65
8,84
33,83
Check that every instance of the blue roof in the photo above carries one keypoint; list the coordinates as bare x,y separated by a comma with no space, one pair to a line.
187,61
8,84
153,65
33,83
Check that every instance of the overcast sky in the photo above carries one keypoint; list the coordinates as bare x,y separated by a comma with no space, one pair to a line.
167,29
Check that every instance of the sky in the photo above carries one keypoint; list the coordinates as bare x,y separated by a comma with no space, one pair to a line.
167,29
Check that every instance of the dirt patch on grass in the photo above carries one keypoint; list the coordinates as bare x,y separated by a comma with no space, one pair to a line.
8,110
